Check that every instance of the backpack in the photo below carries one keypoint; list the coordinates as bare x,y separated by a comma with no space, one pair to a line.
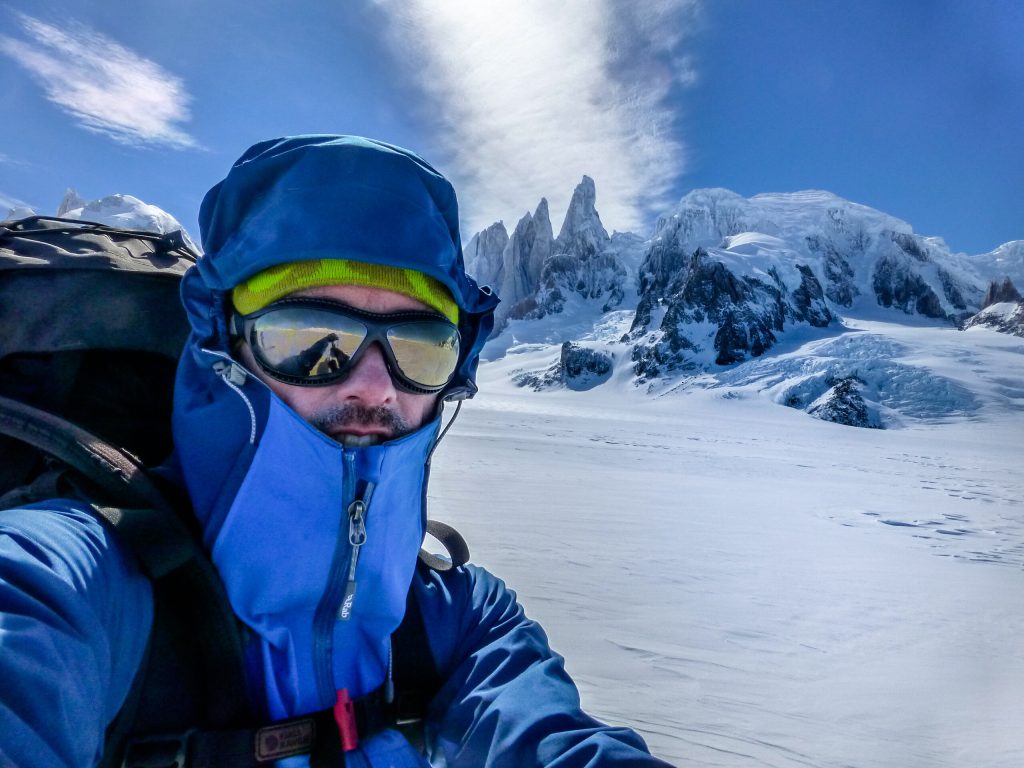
91,328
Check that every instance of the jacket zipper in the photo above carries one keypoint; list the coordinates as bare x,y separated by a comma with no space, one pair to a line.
338,600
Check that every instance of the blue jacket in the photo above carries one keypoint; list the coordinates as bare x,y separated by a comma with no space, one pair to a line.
273,495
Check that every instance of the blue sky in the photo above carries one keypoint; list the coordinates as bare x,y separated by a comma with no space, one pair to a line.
912,107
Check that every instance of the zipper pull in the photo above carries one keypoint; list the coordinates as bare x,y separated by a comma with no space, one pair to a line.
356,537
231,372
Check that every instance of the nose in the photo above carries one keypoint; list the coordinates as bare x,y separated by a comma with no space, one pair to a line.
369,382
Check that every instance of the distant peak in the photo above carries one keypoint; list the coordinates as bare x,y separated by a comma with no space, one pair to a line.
71,201
496,229
119,211
541,213
582,215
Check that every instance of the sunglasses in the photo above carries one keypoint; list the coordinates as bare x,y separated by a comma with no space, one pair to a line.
315,342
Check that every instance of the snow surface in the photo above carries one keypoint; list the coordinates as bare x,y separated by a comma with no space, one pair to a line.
747,585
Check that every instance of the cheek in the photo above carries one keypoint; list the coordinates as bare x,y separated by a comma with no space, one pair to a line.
417,409
302,400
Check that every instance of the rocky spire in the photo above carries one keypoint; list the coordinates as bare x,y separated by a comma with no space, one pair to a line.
484,255
582,233
524,257
70,202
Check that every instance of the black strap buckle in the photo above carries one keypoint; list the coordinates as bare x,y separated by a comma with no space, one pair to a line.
164,751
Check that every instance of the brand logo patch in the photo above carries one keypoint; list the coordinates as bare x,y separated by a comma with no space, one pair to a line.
346,607
277,741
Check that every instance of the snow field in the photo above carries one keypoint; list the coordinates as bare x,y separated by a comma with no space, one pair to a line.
747,585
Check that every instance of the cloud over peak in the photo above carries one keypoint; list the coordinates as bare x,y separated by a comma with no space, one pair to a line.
106,87
529,96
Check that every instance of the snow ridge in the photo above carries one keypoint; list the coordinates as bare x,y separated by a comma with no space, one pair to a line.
123,211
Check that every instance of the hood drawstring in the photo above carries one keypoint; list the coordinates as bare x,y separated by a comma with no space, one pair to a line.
440,437
234,375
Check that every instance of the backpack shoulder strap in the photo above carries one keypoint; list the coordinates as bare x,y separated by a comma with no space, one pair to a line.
113,471
415,676
193,673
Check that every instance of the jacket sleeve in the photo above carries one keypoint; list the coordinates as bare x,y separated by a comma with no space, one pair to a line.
75,614
506,699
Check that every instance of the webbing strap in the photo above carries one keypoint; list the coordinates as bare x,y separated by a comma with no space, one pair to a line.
452,541
315,735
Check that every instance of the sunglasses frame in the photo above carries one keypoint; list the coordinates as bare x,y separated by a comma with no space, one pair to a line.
377,325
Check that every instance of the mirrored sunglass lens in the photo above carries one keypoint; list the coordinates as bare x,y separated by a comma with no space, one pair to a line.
427,353
306,342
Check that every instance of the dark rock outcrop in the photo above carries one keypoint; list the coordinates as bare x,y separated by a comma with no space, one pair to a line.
842,403
999,292
744,312
898,287
578,368
1003,309
839,285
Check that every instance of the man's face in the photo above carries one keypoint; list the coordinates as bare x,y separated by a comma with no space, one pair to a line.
365,407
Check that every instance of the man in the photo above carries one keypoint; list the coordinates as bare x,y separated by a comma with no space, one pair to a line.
331,318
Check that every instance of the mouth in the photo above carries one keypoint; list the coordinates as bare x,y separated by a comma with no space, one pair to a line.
352,440
357,426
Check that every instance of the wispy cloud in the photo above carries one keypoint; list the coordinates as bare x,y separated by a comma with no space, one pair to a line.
104,86
531,95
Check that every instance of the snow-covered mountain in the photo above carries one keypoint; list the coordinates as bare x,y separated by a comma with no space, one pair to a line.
733,274
123,211
722,280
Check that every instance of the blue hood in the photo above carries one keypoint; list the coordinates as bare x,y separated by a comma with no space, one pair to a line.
343,197
273,495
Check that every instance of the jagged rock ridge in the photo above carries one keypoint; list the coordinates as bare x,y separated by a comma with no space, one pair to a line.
536,274
708,311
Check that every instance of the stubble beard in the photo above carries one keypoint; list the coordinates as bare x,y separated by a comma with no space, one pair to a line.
329,420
